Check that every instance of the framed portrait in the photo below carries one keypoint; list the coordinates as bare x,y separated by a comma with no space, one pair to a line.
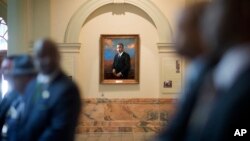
119,59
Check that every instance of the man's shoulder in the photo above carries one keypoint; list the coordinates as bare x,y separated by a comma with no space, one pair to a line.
125,54
63,82
64,79
12,94
9,98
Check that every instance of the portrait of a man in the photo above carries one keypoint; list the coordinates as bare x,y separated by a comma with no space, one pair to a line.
119,59
121,64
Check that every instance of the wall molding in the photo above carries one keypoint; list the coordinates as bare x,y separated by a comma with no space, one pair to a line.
166,47
119,1
80,16
130,100
69,47
63,47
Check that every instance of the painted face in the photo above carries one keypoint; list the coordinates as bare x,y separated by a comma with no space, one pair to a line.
119,48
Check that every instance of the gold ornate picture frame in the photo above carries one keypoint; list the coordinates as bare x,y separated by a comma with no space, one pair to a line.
109,57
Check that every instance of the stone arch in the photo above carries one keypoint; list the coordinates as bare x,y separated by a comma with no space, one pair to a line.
80,16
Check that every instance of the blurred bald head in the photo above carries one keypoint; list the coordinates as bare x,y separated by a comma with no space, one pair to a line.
46,55
226,23
188,40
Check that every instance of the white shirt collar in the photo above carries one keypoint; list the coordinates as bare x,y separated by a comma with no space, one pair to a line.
232,64
46,79
120,54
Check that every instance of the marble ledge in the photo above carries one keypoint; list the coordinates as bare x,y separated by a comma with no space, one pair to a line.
130,100
121,123
125,115
81,130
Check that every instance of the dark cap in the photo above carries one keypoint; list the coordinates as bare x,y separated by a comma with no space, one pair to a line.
22,65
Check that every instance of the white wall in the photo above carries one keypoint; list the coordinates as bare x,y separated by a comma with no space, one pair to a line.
119,19
115,19
62,11
40,19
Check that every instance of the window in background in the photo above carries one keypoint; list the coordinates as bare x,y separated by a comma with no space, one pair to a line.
3,48
3,35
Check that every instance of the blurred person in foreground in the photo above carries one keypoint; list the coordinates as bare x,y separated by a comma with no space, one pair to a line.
229,35
189,44
221,106
20,71
11,95
53,104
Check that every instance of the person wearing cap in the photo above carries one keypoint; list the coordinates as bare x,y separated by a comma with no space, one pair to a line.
53,104
5,69
21,70
11,95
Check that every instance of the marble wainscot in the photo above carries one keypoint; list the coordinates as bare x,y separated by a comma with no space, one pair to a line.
125,115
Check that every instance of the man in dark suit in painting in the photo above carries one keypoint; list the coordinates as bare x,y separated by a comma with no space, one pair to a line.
121,64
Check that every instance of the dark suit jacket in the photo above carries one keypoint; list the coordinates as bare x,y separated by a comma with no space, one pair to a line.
230,112
5,105
12,118
122,64
176,129
52,118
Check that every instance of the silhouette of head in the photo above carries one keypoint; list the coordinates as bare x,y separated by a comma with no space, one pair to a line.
46,55
189,42
226,23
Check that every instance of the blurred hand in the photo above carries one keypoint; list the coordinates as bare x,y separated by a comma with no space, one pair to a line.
119,74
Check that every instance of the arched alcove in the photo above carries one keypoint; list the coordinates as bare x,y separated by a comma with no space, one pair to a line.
80,16
118,19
